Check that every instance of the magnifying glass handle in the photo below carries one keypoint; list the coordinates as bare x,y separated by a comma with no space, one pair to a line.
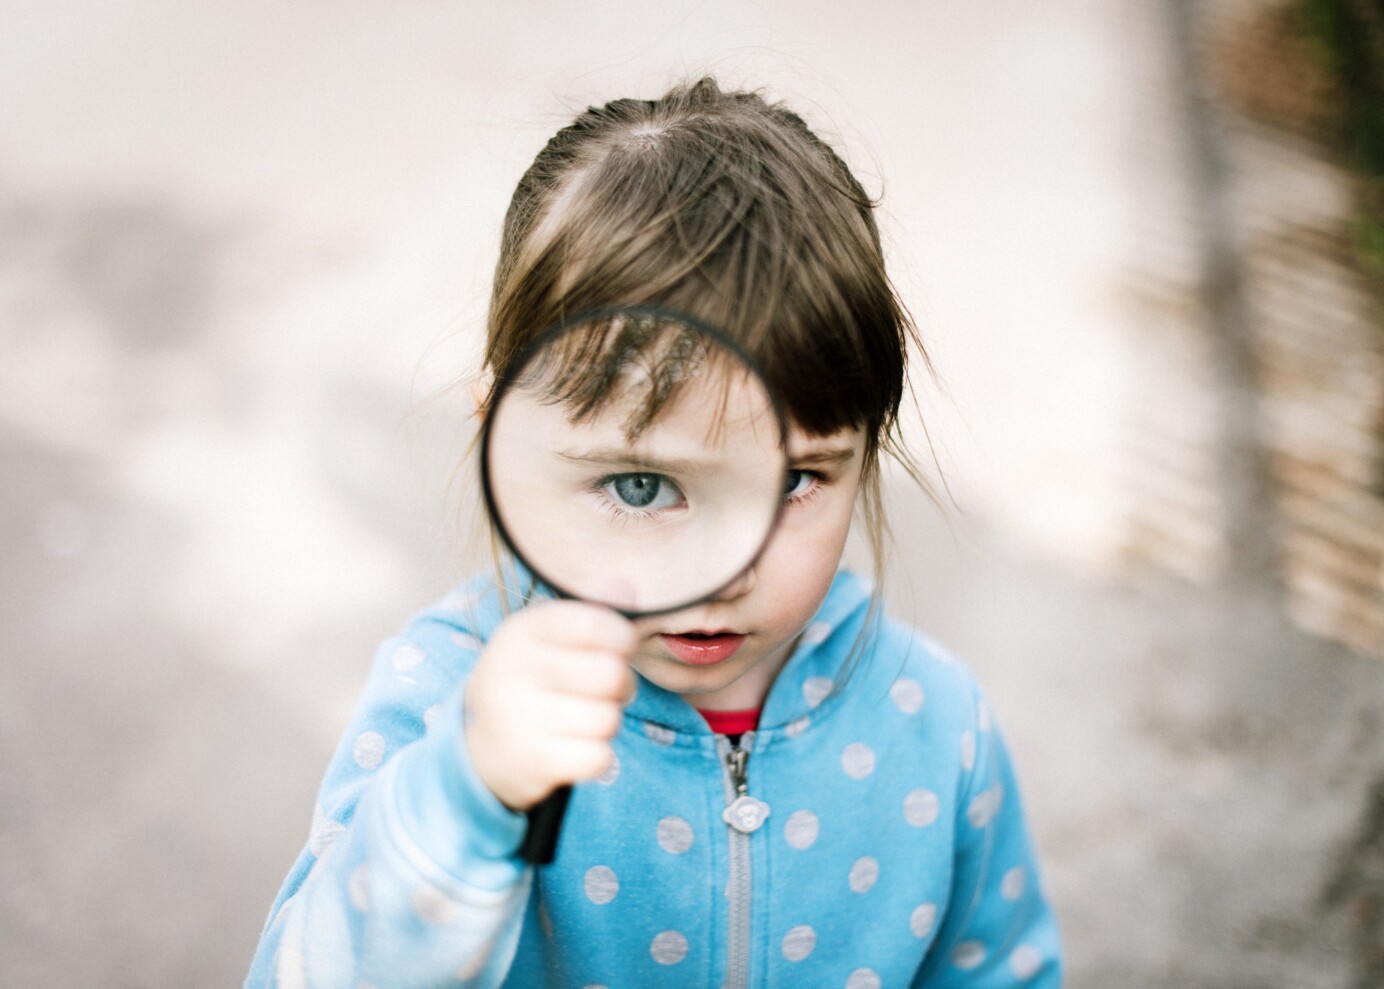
545,821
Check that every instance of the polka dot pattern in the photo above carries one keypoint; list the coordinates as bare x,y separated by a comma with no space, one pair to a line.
601,884
907,695
800,830
1013,884
658,734
863,978
795,728
799,942
464,640
324,835
431,715
406,658
968,750
921,808
432,906
358,888
816,633
669,948
864,874
857,760
922,920
612,772
968,955
1025,961
815,690
983,807
674,835
368,750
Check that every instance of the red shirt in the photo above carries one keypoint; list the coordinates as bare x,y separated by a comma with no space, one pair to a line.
732,722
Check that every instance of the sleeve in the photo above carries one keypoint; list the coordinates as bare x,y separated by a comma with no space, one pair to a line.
411,875
999,931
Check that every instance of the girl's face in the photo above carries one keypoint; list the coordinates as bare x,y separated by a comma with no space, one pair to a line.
725,654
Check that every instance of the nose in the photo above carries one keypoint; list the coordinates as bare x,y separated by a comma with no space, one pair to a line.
739,587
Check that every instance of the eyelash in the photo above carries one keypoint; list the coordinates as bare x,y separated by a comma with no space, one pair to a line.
819,481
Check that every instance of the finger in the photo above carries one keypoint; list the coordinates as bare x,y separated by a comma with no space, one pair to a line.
576,625
579,718
596,675
576,760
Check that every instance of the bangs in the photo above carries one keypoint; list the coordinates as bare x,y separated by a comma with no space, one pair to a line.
633,363
738,217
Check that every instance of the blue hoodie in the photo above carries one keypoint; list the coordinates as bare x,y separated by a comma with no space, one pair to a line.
878,842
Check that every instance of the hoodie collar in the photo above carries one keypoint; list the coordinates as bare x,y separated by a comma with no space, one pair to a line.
805,684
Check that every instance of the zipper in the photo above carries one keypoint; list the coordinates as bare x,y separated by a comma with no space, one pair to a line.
743,815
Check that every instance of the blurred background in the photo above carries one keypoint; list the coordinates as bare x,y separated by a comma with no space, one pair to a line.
244,253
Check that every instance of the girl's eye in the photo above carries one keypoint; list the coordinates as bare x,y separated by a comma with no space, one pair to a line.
799,483
648,492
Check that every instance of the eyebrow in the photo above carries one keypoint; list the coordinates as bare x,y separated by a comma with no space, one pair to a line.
826,457
614,457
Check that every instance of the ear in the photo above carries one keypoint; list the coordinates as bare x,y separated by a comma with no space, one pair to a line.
481,387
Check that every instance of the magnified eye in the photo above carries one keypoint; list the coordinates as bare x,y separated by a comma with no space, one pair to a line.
646,491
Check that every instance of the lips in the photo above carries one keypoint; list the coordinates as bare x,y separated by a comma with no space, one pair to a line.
703,648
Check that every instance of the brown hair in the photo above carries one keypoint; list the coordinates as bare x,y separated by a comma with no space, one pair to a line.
728,207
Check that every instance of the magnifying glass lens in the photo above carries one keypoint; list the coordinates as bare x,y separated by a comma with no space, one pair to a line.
635,459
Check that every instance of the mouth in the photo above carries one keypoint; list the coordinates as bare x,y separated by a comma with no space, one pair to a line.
702,648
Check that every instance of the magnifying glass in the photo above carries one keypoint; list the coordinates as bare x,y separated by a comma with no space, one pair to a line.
632,457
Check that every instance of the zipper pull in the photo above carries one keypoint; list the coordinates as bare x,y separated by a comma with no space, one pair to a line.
745,814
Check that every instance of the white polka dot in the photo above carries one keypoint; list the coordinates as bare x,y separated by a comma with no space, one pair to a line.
601,884
406,658
815,690
799,942
795,728
467,641
431,715
800,830
459,601
968,750
291,969
658,734
1025,961
921,807
368,749
669,948
858,760
907,695
612,772
864,873
985,806
674,835
863,978
433,906
324,835
358,888
816,633
1014,882
474,965
968,955
922,919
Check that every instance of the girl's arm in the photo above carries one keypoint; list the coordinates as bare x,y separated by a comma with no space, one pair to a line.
410,876
998,931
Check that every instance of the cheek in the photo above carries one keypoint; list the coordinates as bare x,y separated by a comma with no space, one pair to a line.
802,560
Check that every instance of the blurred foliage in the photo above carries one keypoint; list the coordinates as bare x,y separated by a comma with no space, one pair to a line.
1349,38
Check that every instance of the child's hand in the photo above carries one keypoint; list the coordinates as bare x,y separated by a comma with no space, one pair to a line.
545,699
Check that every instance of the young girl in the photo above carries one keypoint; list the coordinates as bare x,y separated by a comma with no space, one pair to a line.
886,846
